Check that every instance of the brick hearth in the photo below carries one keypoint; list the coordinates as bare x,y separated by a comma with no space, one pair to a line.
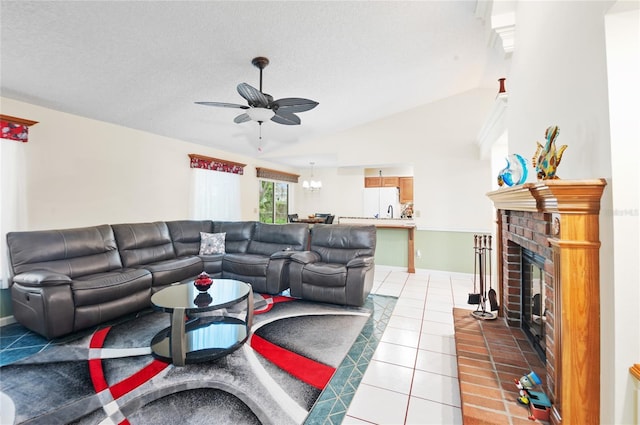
490,356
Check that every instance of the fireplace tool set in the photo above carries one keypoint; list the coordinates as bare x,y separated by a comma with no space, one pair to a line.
482,275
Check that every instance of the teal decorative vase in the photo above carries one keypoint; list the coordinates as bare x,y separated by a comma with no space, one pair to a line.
515,172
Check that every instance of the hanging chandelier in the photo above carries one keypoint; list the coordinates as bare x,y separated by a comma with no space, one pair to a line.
312,184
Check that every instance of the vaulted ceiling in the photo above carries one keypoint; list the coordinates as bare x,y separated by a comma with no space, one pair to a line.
143,64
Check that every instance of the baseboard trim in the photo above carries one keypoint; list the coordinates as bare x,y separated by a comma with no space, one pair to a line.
7,320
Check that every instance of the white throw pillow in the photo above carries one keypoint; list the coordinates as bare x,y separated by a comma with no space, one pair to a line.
212,243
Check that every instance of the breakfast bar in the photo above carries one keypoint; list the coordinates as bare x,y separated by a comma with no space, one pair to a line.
393,224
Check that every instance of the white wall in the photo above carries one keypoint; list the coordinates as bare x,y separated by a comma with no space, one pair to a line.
83,172
438,140
559,77
623,58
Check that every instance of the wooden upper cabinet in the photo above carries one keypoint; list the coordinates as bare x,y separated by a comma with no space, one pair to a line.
373,182
382,181
406,189
390,182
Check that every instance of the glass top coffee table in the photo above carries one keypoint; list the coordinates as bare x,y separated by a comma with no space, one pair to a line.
202,329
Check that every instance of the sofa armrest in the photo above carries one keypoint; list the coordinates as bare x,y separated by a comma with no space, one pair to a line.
283,255
363,261
305,257
36,278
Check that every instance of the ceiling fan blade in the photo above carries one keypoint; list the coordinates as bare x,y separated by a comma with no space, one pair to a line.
242,118
223,104
285,118
254,96
294,104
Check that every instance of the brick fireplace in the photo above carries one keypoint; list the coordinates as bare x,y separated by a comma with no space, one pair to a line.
528,232
556,222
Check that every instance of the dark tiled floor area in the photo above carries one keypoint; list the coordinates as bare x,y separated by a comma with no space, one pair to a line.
17,342
490,356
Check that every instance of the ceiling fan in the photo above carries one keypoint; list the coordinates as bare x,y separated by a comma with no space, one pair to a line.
262,107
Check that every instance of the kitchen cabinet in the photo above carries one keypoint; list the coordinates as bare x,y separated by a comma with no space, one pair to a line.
406,189
390,182
382,182
373,182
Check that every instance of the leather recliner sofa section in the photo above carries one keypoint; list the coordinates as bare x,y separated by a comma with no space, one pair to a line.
264,262
256,253
149,246
339,266
71,279
67,280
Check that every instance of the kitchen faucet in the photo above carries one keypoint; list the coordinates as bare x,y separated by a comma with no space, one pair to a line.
390,210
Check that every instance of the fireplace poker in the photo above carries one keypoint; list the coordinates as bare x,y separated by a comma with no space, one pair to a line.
483,293
493,297
474,298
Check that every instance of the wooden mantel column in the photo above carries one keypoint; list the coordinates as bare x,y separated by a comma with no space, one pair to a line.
574,206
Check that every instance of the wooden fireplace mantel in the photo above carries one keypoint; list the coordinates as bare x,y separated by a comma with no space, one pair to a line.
574,206
553,196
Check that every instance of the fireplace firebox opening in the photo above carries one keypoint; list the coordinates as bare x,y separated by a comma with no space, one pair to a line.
533,309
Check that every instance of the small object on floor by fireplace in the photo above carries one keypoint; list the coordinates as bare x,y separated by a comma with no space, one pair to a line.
537,402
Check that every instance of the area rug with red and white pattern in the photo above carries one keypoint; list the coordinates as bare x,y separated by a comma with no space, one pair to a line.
108,376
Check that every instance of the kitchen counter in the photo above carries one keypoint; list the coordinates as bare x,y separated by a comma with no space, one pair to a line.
390,223
379,222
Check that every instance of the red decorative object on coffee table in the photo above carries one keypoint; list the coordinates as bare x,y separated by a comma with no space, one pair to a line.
203,282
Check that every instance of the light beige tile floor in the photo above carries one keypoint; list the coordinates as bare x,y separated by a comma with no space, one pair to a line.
412,378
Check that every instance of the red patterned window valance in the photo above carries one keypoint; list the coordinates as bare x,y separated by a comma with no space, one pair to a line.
267,173
215,164
14,128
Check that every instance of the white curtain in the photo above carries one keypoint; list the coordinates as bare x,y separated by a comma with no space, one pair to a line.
12,199
215,195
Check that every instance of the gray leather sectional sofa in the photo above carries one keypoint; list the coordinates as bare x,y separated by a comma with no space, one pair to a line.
67,280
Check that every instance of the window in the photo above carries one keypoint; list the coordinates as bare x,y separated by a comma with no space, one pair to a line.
274,202
274,194
215,188
14,135
215,196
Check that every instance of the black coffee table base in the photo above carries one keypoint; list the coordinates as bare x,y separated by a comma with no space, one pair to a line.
205,339
202,325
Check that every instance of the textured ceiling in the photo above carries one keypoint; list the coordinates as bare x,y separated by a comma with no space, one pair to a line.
143,64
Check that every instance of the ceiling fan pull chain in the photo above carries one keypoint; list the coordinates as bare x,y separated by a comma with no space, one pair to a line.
260,136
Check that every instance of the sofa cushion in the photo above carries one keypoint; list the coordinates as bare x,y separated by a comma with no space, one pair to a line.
325,274
143,243
270,238
71,252
103,287
185,235
238,234
245,264
337,243
211,243
174,270
212,264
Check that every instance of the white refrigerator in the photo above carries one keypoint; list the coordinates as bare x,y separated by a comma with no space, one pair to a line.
381,202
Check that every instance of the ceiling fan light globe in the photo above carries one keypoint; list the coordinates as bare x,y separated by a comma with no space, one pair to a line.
260,114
